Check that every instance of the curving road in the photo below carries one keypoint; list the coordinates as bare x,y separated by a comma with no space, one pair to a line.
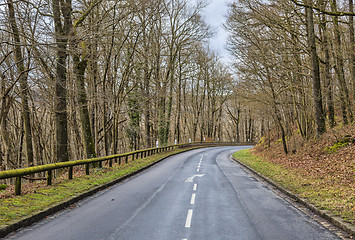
200,194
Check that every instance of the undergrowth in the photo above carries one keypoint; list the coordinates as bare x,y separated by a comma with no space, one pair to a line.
323,190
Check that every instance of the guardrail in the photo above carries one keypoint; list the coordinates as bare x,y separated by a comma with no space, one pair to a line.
20,172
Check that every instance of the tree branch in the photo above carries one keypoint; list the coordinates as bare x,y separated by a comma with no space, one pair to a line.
324,11
86,13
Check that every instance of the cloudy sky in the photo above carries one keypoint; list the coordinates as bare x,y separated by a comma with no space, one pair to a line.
215,15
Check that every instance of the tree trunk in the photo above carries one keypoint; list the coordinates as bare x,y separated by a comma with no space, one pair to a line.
344,92
352,47
62,31
80,67
328,80
178,117
317,94
23,84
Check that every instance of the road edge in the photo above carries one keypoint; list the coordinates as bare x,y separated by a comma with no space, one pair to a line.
337,221
36,217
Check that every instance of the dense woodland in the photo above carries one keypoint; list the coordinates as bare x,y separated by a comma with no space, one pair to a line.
91,78
295,62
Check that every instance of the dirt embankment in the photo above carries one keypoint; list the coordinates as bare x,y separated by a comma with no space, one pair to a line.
328,163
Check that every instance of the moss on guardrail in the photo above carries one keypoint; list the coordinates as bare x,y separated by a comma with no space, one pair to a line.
18,173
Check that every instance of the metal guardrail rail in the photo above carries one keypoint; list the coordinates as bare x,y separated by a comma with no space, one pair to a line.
20,172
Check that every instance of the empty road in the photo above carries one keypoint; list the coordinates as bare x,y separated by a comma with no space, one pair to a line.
200,194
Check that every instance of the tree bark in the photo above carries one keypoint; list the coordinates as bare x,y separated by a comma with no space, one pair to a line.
344,92
317,93
327,75
352,47
23,84
80,67
61,10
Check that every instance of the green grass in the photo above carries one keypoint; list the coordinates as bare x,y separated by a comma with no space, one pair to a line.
336,198
17,207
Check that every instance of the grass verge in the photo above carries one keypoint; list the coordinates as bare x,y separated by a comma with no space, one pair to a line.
336,198
19,207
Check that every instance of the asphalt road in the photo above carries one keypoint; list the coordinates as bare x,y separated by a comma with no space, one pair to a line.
200,194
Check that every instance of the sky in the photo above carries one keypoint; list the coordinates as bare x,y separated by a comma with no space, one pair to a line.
215,15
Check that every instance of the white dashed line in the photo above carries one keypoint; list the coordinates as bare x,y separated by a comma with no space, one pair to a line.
198,170
195,187
193,199
188,219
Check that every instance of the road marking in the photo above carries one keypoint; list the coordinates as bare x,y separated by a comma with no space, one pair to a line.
195,187
188,219
193,199
191,179
198,169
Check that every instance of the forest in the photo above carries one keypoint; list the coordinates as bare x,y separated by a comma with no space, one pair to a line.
86,78
295,63
81,79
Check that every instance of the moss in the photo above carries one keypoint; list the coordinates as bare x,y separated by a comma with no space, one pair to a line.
2,187
345,141
262,140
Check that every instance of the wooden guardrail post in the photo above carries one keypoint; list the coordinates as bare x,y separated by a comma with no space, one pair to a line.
87,169
70,173
49,177
126,159
18,186
119,160
110,163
